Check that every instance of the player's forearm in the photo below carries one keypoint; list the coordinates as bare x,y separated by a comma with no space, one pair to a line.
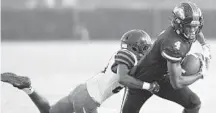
131,82
188,80
176,79
201,39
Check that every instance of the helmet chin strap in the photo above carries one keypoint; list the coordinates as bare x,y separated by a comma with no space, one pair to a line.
188,37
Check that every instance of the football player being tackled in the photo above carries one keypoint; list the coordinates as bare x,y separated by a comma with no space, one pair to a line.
85,98
163,62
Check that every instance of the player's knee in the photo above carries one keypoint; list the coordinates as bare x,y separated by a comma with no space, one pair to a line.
192,110
195,101
194,106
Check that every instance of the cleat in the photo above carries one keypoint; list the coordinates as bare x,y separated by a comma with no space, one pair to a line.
19,82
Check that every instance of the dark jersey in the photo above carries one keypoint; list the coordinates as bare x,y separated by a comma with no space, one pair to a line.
168,46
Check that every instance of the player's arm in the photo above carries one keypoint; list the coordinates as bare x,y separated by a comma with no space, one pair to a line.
176,79
206,48
129,81
201,39
173,52
125,61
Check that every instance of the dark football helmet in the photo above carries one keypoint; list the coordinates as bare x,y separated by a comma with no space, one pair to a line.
187,20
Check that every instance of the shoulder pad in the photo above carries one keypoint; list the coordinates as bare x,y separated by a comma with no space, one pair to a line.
172,50
126,57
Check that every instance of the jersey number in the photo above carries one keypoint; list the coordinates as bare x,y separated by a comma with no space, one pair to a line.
117,89
177,45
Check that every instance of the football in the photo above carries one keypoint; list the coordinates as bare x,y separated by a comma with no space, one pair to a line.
191,64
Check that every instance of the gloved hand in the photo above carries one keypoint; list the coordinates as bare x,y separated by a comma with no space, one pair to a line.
207,54
203,67
154,87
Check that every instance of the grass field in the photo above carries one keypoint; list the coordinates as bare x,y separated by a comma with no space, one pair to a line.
55,68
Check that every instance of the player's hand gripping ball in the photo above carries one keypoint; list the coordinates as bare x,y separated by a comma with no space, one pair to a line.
191,64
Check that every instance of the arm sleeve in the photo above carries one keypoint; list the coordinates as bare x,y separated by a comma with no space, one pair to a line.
125,57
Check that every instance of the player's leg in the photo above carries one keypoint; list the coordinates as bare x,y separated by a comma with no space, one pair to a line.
62,106
184,96
134,100
24,84
82,101
78,101
42,103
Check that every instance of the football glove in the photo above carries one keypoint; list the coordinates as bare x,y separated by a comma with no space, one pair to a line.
207,54
154,87
203,67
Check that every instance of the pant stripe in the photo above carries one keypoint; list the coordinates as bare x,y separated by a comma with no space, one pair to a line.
124,98
84,111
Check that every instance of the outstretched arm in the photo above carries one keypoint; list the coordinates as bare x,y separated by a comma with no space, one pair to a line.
201,39
206,48
132,82
127,80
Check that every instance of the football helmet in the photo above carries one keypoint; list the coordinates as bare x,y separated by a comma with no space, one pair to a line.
187,20
137,41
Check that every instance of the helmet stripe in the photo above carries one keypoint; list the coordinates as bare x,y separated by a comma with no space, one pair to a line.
192,8
195,11
187,9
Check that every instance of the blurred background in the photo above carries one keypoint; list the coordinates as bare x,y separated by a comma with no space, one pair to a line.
62,43
91,19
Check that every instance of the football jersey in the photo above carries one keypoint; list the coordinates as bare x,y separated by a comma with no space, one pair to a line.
168,46
105,83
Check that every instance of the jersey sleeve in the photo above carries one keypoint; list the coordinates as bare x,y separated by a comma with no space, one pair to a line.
171,50
126,57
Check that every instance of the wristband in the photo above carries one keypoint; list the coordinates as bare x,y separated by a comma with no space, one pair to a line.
146,86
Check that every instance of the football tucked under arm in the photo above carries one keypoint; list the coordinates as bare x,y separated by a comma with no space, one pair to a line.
191,64
174,67
176,77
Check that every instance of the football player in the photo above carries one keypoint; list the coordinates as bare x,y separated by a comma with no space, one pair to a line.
85,98
163,62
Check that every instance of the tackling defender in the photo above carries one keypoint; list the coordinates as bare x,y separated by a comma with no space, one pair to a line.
163,62
85,98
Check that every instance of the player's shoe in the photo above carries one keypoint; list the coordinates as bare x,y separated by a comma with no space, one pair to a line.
19,82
